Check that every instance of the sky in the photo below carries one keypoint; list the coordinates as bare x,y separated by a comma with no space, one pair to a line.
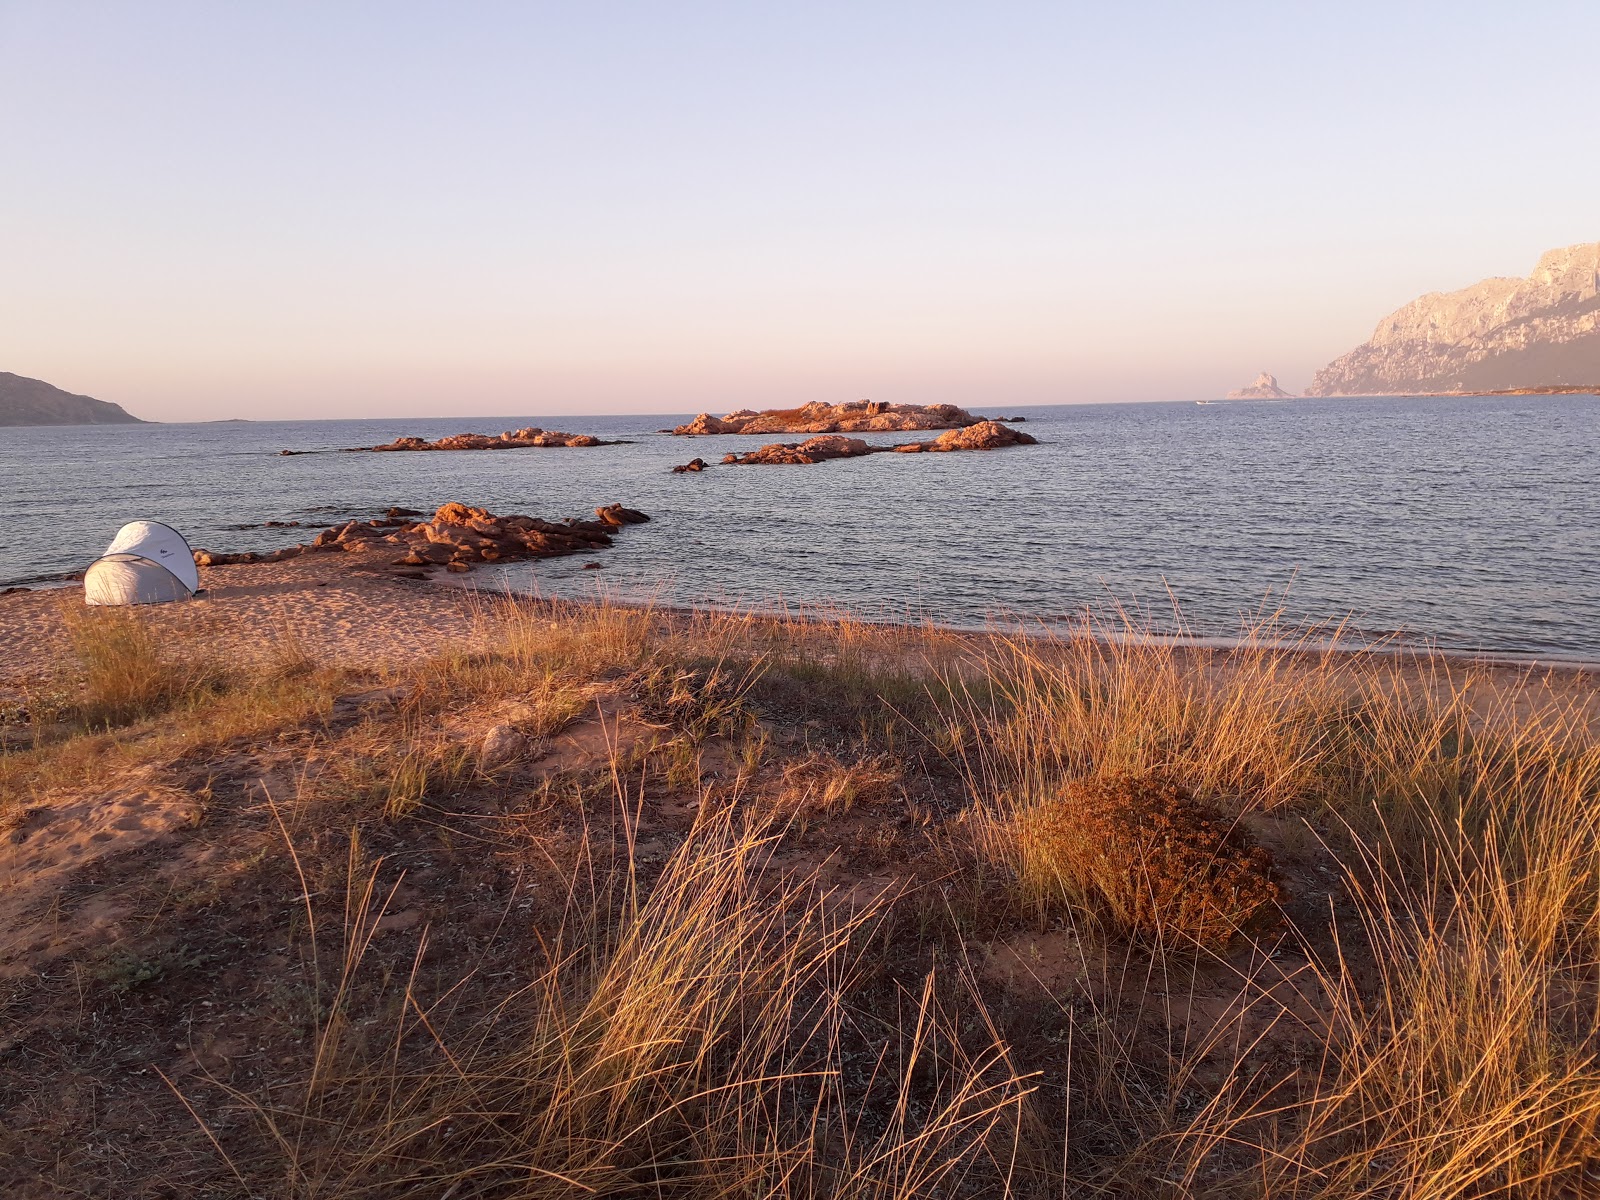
329,209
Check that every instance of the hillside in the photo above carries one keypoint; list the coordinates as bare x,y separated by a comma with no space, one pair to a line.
25,401
1497,335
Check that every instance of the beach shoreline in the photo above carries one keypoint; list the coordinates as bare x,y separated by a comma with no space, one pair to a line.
360,614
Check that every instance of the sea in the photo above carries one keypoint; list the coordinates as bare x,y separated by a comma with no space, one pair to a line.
1470,524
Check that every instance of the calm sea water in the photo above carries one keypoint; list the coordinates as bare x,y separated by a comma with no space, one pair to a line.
1472,523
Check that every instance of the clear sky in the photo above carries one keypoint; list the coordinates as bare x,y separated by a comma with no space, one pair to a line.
396,208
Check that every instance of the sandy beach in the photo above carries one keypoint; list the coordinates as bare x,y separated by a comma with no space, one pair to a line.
320,605
343,613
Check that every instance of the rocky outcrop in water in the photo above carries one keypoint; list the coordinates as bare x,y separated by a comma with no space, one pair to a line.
25,401
985,435
859,416
1542,332
512,439
812,450
455,537
1265,387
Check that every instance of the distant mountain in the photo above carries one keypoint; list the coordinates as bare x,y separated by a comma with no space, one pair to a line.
1264,388
1533,334
25,401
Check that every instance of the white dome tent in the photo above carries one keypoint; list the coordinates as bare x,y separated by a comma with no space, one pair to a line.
146,563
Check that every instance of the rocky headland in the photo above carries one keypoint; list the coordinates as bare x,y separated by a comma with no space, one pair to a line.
985,435
455,537
512,439
1536,334
25,401
858,416
1265,387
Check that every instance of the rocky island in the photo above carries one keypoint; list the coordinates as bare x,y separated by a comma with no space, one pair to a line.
985,435
512,439
858,416
1536,334
1265,387
25,401
455,537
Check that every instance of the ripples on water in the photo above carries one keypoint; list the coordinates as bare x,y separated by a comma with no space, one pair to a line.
1471,522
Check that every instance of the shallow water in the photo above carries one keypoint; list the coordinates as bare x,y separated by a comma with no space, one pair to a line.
1472,523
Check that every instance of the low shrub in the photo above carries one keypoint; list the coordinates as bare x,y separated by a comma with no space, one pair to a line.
1145,857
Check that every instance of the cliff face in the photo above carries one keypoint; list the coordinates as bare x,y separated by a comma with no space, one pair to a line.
25,401
1542,331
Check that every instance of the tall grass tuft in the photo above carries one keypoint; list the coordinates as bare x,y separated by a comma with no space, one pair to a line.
1453,1048
124,668
1462,1030
685,1040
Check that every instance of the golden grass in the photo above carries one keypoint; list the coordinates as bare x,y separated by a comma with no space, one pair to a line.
1459,1047
116,713
724,1029
125,669
683,1042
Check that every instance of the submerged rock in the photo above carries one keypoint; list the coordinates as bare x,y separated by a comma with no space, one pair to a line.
985,435
511,439
616,516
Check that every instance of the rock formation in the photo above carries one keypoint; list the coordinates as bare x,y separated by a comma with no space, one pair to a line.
1264,388
25,401
511,439
455,537
812,450
860,416
1542,332
985,435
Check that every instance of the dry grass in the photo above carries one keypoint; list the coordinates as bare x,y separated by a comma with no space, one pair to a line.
820,786
706,1018
129,702
125,670
1457,1052
685,1042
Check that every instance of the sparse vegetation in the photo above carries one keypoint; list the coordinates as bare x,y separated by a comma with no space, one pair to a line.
127,672
785,908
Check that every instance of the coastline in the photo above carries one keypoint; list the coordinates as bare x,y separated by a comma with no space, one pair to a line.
350,614
193,790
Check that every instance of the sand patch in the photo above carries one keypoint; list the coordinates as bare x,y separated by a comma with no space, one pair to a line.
50,847
319,606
